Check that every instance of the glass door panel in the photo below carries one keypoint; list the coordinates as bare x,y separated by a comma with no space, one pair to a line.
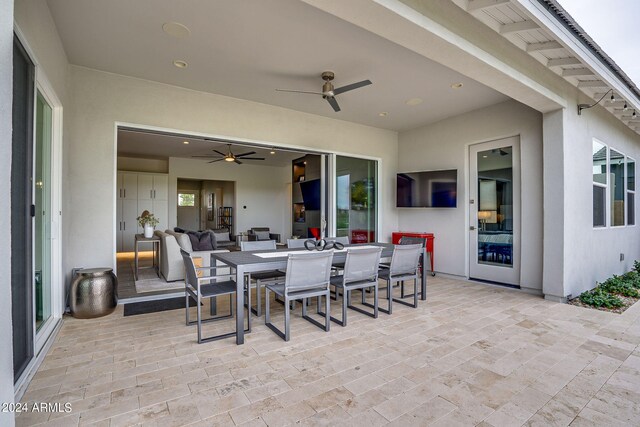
495,207
42,202
356,204
494,211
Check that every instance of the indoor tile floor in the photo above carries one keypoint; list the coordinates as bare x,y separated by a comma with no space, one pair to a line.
471,355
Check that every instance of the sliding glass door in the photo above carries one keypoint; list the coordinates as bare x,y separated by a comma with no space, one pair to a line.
42,211
356,199
35,261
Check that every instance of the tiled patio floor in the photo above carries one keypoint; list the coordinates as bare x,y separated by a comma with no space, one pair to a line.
472,355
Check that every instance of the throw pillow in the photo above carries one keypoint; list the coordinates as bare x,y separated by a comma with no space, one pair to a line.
200,241
262,235
222,237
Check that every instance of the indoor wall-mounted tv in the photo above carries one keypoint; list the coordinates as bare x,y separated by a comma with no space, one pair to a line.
427,189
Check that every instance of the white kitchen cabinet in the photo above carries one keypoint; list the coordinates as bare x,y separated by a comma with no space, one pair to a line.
137,192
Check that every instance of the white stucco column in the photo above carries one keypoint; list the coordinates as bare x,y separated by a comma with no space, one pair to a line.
6,90
553,148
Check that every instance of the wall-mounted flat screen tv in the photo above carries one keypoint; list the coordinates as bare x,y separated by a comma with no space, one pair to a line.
428,189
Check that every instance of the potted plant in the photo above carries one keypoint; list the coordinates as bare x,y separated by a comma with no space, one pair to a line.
148,221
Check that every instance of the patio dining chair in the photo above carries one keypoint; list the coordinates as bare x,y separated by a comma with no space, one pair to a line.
360,273
295,243
308,276
409,240
204,286
262,277
404,266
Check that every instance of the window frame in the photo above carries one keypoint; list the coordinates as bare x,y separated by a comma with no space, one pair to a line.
192,193
608,220
627,191
601,185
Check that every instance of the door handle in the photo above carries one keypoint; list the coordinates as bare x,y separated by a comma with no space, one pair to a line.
472,228
124,225
125,193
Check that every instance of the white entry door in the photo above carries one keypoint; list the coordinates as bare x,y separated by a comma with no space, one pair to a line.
494,209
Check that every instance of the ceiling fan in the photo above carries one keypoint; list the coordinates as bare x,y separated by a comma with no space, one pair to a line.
230,157
329,92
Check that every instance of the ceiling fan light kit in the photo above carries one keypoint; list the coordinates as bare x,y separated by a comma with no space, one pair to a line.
230,156
329,92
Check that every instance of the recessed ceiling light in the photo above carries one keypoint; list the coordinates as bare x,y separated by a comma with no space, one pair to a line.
180,64
185,142
414,101
383,114
457,85
273,151
176,29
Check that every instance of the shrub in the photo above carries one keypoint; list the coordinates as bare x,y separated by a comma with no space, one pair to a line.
620,285
600,298
633,278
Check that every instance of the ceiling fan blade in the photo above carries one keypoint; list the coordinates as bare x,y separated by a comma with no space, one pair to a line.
252,158
352,86
298,91
237,161
216,160
208,156
222,154
246,154
334,104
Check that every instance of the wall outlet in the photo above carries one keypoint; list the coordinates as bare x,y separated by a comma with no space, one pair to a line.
621,257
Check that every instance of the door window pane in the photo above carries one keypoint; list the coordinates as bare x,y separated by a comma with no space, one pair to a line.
356,187
186,199
631,209
495,207
616,171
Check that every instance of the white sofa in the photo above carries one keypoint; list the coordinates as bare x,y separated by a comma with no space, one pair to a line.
171,263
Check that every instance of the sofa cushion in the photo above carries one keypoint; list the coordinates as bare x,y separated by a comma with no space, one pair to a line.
222,236
200,240
262,235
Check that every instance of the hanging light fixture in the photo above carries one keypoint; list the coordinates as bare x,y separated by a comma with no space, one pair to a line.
634,115
587,106
626,107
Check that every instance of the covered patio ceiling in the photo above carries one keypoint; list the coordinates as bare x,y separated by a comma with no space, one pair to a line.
247,49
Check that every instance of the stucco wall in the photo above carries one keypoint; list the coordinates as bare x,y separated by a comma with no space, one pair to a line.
99,100
6,90
444,145
593,254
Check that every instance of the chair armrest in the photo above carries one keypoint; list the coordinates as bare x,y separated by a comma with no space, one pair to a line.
274,236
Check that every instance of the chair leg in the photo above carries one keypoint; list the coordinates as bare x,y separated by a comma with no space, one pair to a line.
346,296
375,301
186,304
287,319
327,317
258,298
199,310
267,313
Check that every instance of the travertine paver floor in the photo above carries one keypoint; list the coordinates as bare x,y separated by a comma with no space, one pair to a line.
472,355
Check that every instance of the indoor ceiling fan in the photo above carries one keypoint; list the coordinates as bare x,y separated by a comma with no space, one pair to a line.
230,157
329,92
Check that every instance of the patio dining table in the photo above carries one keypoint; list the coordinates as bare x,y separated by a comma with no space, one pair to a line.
268,260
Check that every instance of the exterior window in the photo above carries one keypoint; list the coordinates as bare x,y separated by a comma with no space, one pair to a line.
631,191
599,184
616,186
186,199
